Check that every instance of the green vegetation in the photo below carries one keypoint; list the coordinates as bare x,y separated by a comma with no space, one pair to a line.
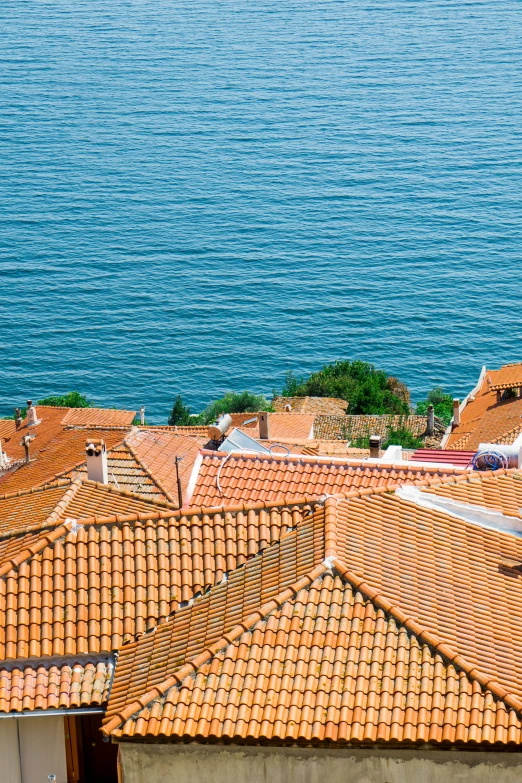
235,402
180,414
402,437
366,389
71,400
442,405
397,436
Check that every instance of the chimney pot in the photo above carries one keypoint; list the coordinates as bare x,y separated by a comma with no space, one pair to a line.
18,418
375,446
32,418
142,414
431,420
97,461
264,426
456,412
26,443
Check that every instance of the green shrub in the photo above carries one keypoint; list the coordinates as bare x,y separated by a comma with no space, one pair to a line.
442,405
71,400
366,389
235,402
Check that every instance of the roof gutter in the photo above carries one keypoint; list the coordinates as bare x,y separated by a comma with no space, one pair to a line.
54,713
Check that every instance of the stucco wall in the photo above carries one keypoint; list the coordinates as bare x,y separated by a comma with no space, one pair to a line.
215,764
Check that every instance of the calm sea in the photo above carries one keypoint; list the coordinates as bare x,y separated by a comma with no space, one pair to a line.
199,195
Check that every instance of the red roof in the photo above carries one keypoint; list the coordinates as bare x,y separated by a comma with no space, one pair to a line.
458,458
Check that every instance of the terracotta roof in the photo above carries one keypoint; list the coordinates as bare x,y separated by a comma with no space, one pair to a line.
278,479
508,377
100,417
195,431
158,450
499,491
323,406
28,687
29,509
390,634
352,427
89,588
294,426
50,426
194,628
52,422
61,454
127,473
484,420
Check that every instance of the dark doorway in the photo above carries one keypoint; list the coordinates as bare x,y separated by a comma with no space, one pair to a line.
89,758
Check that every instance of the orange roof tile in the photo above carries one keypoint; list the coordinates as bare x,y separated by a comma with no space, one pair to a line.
29,509
89,588
96,417
323,406
28,687
295,426
406,632
158,450
508,377
499,491
276,479
126,472
483,419
324,665
61,454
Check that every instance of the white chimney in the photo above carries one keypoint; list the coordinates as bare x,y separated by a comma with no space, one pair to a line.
456,412
142,414
264,426
97,461
32,418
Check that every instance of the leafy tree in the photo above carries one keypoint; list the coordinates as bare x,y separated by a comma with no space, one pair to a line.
442,405
235,402
366,389
71,400
180,414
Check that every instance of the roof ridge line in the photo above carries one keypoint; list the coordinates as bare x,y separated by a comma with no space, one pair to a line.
153,478
38,488
126,493
333,460
426,636
470,475
33,549
98,426
62,504
205,655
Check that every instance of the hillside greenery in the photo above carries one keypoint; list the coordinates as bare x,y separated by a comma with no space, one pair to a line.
366,389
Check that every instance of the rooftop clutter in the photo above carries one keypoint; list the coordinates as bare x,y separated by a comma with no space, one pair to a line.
187,593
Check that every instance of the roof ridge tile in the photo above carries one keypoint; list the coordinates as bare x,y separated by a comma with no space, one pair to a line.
427,636
205,655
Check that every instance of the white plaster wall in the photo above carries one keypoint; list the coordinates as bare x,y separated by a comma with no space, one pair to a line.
31,749
214,764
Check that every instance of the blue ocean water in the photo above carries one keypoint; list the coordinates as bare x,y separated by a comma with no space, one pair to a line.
199,195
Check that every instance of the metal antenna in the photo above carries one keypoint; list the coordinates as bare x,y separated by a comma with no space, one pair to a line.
180,493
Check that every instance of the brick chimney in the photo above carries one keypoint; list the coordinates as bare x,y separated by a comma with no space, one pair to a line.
375,446
431,420
97,461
